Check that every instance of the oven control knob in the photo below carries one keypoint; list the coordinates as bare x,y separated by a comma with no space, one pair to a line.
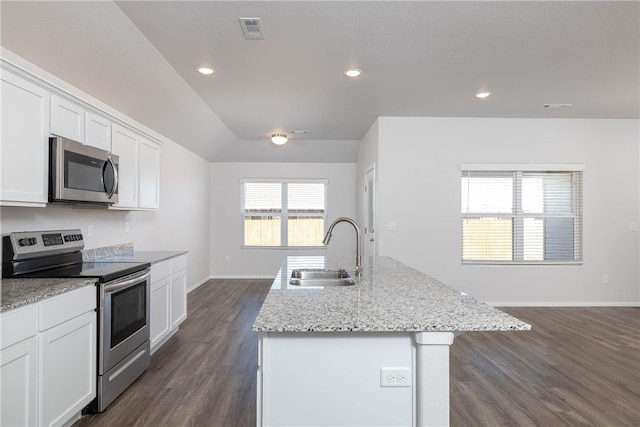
78,237
27,241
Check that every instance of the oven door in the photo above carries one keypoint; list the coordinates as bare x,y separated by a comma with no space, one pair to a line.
124,318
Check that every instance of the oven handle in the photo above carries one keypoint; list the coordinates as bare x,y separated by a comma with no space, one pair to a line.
126,283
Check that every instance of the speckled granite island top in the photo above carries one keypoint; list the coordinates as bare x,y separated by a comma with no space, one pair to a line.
389,296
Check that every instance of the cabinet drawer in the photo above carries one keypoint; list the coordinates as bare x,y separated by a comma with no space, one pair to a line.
67,306
178,263
160,270
19,324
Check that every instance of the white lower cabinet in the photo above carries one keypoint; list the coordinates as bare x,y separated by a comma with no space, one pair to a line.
168,299
68,369
50,376
178,291
160,306
18,367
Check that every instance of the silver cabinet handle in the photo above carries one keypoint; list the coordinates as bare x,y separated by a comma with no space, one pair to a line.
371,239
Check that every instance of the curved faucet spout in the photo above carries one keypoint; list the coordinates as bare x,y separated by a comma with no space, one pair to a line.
327,239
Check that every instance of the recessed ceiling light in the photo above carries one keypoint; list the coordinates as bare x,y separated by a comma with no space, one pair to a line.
206,70
482,95
353,72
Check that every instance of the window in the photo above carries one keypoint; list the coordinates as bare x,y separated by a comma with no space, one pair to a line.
283,213
521,216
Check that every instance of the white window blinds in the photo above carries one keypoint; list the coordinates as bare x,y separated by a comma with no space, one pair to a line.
283,213
521,216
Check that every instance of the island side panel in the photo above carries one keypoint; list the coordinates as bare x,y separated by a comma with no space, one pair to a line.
333,379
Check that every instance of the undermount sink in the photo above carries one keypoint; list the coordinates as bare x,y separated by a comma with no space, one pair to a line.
320,277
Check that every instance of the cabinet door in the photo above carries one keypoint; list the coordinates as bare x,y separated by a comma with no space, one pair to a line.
67,119
124,143
178,298
18,382
97,131
160,325
67,369
24,149
149,185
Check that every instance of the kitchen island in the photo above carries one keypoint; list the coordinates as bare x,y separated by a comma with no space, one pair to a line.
375,353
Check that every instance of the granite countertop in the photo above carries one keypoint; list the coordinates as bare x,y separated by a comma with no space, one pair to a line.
16,293
125,253
152,257
19,292
389,296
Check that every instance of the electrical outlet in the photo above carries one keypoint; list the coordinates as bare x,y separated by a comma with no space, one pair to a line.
395,377
227,259
90,231
605,279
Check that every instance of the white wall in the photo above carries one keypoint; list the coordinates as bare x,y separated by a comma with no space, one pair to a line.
226,220
419,188
182,223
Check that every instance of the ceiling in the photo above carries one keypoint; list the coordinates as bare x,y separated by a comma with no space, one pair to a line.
420,58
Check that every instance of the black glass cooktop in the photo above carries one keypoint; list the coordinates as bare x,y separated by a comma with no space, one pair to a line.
103,271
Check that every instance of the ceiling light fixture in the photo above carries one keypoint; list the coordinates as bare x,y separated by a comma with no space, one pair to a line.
206,70
353,72
482,95
279,138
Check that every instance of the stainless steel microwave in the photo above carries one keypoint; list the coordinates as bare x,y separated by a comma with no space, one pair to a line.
81,174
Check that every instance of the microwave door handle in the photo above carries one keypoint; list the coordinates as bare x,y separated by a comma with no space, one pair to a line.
113,189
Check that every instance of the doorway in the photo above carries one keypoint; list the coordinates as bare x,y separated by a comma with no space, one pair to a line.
370,211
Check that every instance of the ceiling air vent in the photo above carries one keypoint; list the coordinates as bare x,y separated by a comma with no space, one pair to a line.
554,106
252,28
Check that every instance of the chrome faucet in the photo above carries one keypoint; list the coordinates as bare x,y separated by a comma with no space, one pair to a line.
327,238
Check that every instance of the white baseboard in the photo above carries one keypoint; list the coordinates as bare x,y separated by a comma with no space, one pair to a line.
197,284
564,303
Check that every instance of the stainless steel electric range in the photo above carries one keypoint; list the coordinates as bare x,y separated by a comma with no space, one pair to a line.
122,299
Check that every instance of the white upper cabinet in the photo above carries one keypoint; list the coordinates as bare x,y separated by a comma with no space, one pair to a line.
67,119
32,110
124,143
138,170
97,131
72,121
149,175
24,142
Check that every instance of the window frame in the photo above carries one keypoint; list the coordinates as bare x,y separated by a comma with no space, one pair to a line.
518,216
284,213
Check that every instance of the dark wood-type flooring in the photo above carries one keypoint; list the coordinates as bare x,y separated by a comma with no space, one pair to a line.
577,367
